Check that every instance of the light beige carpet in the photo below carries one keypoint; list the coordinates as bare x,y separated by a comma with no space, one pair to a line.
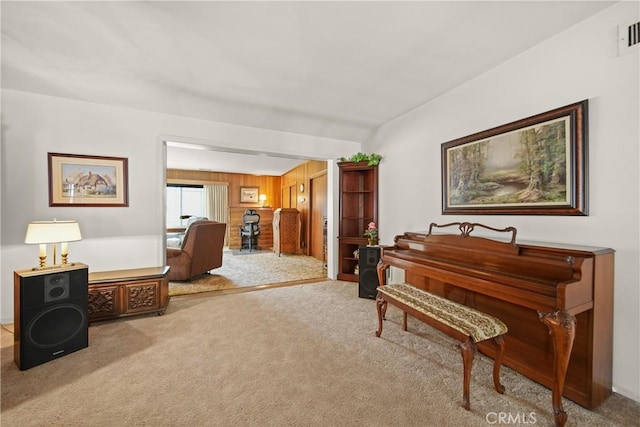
246,269
290,356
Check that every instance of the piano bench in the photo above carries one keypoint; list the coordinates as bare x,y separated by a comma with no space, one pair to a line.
467,325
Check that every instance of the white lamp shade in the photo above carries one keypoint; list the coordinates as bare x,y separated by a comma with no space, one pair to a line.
39,232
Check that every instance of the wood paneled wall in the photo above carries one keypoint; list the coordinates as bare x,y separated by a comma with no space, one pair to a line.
291,181
269,185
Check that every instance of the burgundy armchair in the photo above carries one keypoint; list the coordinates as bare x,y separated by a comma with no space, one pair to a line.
201,250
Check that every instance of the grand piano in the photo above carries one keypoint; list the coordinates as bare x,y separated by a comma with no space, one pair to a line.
557,301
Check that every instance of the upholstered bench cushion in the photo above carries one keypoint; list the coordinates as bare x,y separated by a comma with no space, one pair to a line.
478,325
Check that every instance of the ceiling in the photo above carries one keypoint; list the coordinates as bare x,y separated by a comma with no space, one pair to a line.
328,69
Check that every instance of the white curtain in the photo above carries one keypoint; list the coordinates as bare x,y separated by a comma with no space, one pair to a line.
216,204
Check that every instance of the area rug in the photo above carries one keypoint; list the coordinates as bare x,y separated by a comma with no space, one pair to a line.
257,269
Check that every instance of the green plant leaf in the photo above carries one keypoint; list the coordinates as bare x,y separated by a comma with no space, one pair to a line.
372,159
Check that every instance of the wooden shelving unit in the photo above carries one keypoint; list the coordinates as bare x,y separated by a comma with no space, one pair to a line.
358,200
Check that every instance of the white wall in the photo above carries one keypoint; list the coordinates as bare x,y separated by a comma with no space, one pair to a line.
113,237
580,63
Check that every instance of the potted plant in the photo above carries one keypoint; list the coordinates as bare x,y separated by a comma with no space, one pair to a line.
372,159
371,233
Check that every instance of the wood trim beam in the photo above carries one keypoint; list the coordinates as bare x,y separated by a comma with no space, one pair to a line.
195,182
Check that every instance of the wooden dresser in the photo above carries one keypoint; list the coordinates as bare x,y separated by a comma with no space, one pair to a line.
119,293
286,231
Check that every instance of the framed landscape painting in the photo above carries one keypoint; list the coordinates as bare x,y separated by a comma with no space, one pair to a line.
78,180
534,166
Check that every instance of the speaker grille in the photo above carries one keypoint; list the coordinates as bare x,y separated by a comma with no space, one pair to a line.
55,325
368,258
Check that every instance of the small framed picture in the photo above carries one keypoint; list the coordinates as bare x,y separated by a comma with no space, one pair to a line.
249,194
78,180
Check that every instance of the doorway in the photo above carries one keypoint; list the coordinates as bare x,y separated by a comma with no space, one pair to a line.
200,156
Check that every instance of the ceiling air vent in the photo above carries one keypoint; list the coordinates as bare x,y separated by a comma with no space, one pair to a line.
628,38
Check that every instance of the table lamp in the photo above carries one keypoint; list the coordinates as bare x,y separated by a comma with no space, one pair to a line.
263,199
43,232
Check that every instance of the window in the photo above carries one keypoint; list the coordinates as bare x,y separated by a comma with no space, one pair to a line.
183,201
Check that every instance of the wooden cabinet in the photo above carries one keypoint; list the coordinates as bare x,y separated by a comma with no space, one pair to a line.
358,207
128,292
286,231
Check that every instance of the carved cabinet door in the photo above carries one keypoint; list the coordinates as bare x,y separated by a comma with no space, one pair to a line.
104,301
140,296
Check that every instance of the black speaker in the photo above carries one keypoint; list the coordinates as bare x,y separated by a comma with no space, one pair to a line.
50,311
368,257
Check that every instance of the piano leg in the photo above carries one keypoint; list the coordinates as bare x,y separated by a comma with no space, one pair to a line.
562,328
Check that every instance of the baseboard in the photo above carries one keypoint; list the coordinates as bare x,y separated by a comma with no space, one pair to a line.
629,394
